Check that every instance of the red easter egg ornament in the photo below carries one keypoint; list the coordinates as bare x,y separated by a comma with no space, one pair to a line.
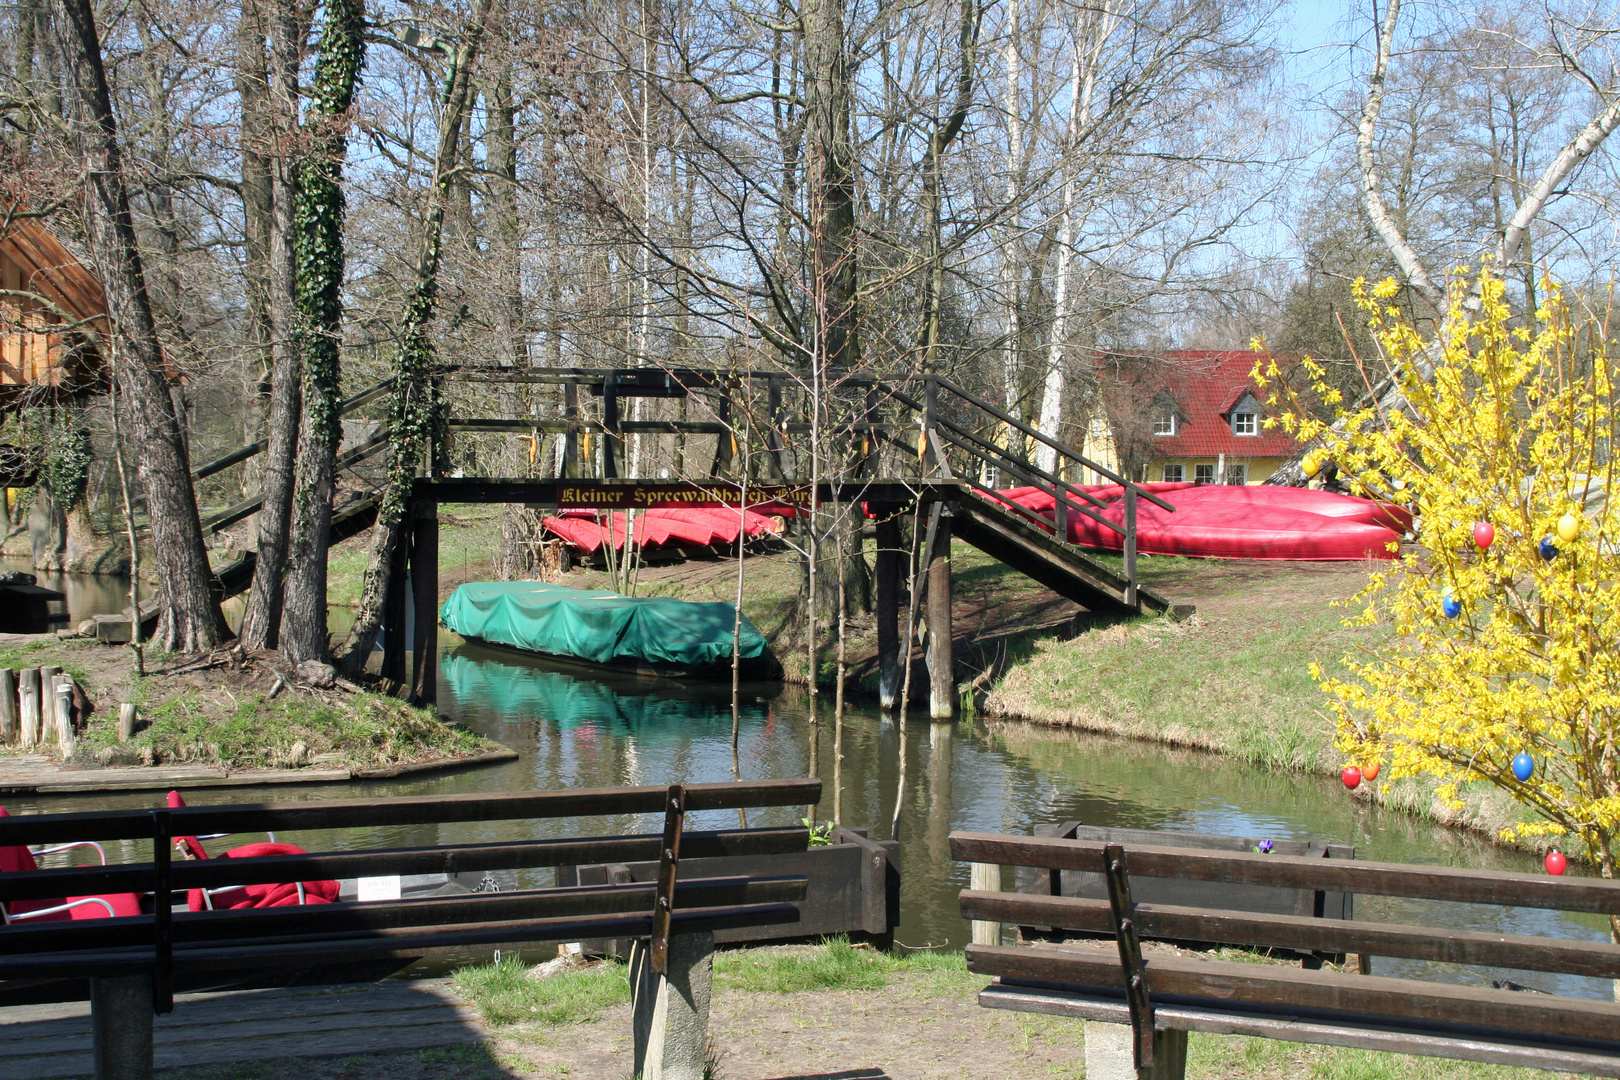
1484,534
1351,777
1556,863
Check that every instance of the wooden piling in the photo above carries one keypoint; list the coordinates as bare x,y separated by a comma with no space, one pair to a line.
62,701
887,573
8,706
425,588
127,717
941,662
28,708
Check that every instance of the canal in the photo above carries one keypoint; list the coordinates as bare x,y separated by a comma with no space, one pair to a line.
574,730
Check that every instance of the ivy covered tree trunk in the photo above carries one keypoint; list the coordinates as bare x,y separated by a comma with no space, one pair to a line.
416,415
190,619
318,252
273,117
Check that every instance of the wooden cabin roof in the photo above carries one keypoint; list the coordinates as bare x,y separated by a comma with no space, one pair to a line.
42,286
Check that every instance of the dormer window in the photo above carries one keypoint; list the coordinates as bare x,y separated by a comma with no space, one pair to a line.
1245,423
1164,424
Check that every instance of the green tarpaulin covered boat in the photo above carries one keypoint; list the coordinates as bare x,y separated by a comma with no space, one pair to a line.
648,635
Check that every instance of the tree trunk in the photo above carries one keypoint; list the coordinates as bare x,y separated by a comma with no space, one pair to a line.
831,183
416,420
319,264
261,624
190,619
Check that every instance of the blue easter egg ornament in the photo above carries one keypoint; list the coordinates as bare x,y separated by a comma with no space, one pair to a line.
1523,766
1548,550
1450,604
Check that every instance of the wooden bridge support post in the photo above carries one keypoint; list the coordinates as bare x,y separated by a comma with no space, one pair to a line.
425,590
121,1027
611,433
393,617
890,554
670,1012
941,662
570,459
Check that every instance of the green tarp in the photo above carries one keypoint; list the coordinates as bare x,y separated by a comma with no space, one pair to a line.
596,625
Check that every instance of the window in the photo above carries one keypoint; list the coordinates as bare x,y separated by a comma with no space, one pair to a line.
1245,423
1164,424
1172,474
1237,475
1204,474
1099,427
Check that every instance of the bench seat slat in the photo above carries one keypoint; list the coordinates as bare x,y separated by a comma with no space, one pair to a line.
1167,923
401,942
1364,996
1415,1039
403,810
372,917
1335,875
316,866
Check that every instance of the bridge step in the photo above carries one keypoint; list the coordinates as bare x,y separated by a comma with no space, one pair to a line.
1063,568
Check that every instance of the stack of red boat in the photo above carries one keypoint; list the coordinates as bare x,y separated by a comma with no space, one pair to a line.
1212,521
587,530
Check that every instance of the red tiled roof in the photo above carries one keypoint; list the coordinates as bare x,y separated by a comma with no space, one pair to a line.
1206,385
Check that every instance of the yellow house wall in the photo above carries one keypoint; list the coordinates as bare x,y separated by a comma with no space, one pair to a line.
1260,468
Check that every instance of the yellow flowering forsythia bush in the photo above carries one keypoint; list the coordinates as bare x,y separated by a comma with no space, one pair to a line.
1514,429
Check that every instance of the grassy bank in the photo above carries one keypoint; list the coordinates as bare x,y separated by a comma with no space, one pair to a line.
232,713
803,1011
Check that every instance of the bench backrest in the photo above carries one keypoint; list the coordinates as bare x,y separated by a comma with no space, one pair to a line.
1499,1015
161,941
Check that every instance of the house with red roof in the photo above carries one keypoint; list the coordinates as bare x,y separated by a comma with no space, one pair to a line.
1186,415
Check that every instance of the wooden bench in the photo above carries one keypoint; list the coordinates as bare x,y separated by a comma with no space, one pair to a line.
1164,995
130,967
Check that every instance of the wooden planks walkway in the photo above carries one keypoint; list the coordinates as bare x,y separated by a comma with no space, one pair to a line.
254,1025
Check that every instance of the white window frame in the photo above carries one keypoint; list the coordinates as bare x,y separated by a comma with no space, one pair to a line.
1253,424
1164,425
1099,427
1237,474
1204,472
1180,470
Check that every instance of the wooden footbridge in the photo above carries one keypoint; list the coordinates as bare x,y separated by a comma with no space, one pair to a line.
640,438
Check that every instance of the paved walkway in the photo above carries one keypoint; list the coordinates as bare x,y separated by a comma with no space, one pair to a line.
254,1025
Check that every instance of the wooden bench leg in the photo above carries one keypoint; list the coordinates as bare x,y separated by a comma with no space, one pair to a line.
1109,1055
671,1012
121,1026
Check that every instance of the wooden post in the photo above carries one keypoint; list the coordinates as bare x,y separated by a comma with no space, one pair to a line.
890,555
941,662
62,702
8,705
1130,545
610,428
28,709
773,427
570,461
722,441
1110,1055
127,717
985,877
394,618
425,587
121,1027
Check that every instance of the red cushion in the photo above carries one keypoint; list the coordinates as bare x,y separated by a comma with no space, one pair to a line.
19,858
275,894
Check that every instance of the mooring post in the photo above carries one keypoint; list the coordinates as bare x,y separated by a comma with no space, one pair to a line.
985,877
941,662
887,571
8,696
121,1027
425,589
393,616
670,1012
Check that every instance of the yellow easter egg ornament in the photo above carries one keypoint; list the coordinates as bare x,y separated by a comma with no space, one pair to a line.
1310,466
1569,527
